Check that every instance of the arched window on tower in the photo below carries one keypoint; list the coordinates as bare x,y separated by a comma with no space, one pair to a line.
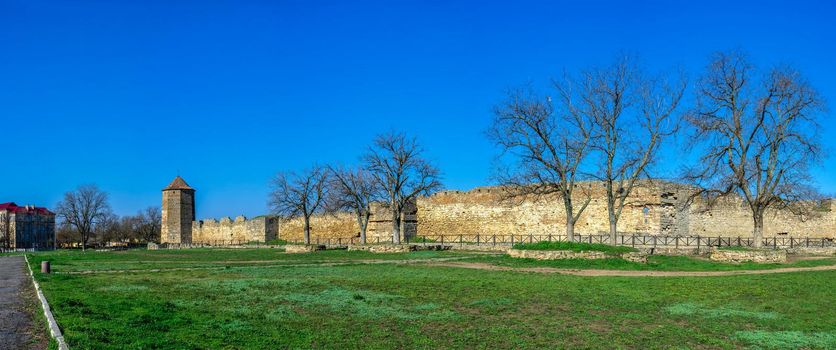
646,212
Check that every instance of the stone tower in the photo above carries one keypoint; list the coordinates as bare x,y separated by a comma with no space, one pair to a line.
178,212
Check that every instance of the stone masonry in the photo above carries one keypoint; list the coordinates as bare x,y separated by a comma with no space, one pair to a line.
178,212
655,208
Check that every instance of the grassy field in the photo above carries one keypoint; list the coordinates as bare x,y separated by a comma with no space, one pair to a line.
654,263
576,247
261,298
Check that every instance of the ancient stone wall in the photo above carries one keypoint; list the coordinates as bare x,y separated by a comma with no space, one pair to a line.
486,211
240,230
732,217
323,227
344,226
653,208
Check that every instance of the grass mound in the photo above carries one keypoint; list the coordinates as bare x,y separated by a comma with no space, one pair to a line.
575,247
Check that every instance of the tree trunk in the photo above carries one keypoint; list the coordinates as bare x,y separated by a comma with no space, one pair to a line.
570,219
307,230
613,229
757,233
363,222
570,230
396,225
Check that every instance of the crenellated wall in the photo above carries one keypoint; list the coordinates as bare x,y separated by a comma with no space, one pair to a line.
259,229
344,226
653,208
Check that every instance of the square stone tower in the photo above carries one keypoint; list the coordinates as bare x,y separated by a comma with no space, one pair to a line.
178,212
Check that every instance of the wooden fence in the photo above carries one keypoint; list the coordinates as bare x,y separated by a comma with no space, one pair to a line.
634,240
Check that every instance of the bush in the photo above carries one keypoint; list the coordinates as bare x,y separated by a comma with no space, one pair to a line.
575,247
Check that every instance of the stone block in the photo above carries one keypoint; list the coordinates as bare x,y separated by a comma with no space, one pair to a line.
301,248
756,256
639,257
555,254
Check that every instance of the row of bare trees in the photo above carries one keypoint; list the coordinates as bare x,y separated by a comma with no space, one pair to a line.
393,171
755,132
85,217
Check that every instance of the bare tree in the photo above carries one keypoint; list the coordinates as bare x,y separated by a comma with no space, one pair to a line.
108,229
548,147
83,209
399,168
631,115
758,134
148,223
354,190
303,194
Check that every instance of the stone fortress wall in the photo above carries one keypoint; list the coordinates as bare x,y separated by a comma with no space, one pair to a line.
656,208
242,230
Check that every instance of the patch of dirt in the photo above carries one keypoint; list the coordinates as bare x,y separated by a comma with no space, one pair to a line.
626,273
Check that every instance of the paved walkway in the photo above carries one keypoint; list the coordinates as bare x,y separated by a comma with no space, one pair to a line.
17,297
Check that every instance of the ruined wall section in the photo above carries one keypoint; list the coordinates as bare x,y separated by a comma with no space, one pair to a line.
487,211
240,230
323,227
732,217
344,226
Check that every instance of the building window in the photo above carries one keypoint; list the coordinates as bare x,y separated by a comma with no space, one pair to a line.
645,211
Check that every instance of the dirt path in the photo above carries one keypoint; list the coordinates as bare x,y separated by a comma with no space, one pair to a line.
18,329
628,273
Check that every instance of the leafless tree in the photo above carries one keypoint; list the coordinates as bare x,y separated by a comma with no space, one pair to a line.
758,134
302,194
354,190
397,164
147,224
108,229
83,209
547,146
631,115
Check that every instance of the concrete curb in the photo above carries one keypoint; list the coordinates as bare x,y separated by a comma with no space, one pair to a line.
54,331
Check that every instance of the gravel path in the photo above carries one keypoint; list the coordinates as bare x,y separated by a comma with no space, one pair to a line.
17,303
629,273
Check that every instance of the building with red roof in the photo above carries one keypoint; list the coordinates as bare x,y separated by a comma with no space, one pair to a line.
26,227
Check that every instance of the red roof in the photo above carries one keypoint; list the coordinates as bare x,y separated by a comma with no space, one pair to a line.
178,184
14,208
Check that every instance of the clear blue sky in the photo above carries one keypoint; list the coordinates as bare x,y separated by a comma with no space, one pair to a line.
127,94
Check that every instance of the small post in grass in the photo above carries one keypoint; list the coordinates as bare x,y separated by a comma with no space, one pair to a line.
45,268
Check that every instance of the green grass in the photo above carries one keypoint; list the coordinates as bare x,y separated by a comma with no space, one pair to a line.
737,248
575,247
75,261
384,306
422,240
270,242
654,263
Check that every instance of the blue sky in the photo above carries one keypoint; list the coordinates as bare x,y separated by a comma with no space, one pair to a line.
129,94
